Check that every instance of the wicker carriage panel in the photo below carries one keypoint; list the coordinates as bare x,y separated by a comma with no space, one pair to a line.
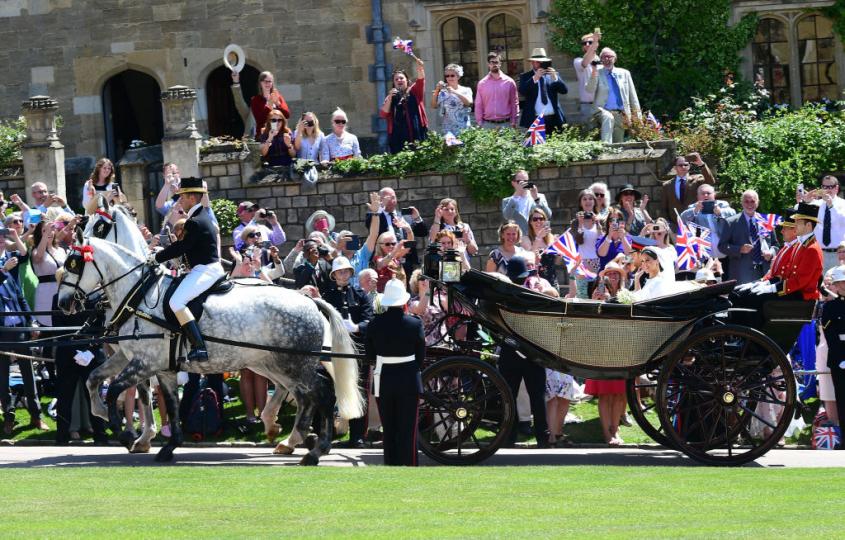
632,341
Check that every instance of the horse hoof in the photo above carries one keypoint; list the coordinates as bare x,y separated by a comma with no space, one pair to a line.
283,449
311,441
127,439
164,455
309,460
273,432
140,449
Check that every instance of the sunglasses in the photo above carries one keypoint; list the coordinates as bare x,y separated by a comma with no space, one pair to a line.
59,225
587,42
388,243
254,235
16,221
450,76
598,195
339,121
538,218
683,164
830,186
275,121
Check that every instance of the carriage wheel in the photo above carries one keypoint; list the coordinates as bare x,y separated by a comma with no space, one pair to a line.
466,411
715,384
641,393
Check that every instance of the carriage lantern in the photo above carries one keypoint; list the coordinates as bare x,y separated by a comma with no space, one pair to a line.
431,261
450,267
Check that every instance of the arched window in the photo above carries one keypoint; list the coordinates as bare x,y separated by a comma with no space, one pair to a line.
132,111
223,117
818,63
460,47
504,35
771,59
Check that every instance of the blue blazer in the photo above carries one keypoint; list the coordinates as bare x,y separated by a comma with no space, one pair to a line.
528,88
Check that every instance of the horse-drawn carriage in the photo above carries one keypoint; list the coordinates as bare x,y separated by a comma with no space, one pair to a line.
683,356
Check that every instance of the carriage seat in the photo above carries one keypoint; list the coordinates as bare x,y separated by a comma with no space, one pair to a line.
221,286
686,305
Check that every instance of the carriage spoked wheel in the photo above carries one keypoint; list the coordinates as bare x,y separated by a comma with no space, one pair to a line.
466,411
641,393
715,384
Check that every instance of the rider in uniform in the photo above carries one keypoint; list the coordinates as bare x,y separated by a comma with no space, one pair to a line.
800,275
199,246
396,342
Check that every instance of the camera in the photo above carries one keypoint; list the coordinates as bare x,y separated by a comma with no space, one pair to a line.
707,207
546,65
407,211
353,242
614,223
529,185
323,251
596,62
309,123
409,244
588,215
459,233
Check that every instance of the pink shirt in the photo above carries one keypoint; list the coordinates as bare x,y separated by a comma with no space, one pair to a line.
496,100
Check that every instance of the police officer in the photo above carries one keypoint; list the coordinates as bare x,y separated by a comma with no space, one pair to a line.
357,310
396,342
199,246
833,326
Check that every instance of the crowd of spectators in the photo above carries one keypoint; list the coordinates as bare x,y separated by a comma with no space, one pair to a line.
623,249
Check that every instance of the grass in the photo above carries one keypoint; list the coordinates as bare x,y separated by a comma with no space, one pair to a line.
429,502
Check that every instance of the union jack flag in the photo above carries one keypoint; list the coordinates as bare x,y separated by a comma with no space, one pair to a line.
767,222
685,245
826,437
701,239
536,132
404,45
565,246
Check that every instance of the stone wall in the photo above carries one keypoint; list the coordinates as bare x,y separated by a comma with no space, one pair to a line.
637,163
12,180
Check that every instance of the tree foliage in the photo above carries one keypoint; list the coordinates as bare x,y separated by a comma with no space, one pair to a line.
12,134
674,49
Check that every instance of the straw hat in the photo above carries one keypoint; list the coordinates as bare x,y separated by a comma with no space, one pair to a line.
539,55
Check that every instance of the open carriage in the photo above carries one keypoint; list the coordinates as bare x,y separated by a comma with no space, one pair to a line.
696,378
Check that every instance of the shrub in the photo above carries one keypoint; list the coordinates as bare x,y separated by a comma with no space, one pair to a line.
12,134
486,160
784,150
226,213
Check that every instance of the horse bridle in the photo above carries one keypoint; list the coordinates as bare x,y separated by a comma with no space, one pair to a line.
75,264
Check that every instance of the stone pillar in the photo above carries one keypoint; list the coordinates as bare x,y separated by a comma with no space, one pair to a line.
181,142
133,173
43,154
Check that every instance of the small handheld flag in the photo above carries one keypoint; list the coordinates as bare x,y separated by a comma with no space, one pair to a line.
685,245
536,133
566,247
404,45
768,222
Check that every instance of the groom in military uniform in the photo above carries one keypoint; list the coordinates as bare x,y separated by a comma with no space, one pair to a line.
199,246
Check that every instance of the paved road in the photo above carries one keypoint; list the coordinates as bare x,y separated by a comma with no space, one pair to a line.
81,456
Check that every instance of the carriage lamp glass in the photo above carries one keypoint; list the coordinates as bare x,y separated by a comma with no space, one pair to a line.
431,261
450,267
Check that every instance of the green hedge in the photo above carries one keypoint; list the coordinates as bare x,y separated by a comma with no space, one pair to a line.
486,160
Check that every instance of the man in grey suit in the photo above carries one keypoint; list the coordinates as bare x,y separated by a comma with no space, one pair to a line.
615,97
748,248
518,207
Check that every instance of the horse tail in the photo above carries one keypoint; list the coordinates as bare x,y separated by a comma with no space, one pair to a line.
350,403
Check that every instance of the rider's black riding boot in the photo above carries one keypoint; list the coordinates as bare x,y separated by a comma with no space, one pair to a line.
198,352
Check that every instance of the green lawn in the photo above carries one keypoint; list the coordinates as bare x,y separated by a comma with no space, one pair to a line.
428,502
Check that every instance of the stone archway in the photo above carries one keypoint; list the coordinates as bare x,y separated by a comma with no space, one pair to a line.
223,117
131,111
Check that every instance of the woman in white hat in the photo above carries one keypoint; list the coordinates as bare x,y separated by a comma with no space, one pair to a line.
396,342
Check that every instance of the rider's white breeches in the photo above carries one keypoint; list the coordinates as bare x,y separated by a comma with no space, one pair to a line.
198,280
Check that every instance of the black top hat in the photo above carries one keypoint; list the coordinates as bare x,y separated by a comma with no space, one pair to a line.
788,218
807,211
627,188
517,269
191,184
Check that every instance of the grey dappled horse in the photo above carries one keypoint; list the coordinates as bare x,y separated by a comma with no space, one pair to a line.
260,315
116,225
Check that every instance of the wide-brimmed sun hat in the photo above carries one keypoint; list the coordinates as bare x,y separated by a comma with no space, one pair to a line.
309,223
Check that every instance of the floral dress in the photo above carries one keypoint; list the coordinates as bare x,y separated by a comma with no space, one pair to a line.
455,116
